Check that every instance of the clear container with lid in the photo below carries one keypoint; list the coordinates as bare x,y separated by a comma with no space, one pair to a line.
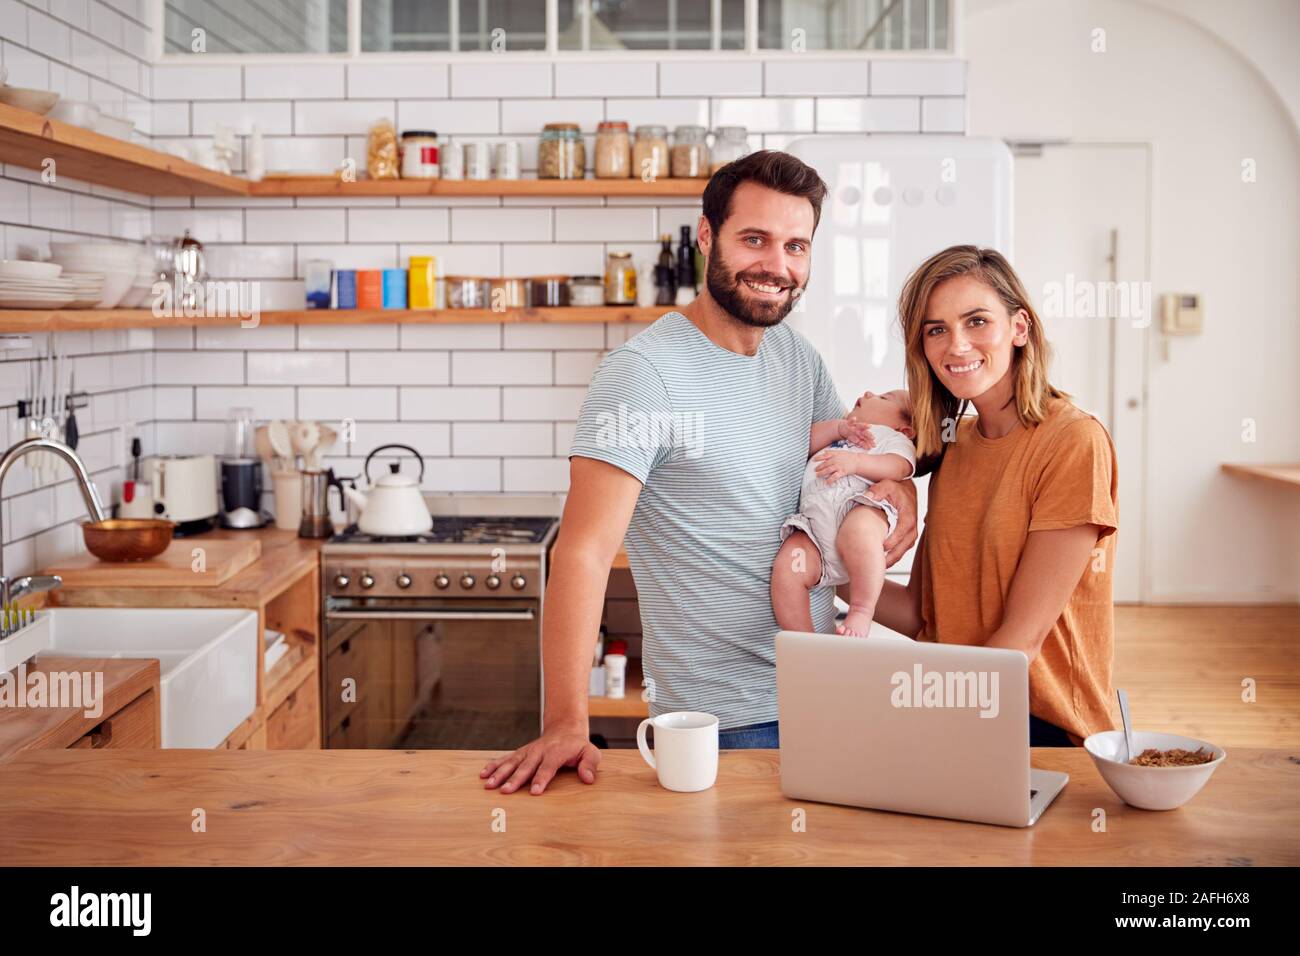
420,154
620,279
690,153
587,290
613,150
730,143
467,292
650,153
561,153
548,292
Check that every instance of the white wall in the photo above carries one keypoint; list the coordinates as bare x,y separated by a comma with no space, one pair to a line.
1168,82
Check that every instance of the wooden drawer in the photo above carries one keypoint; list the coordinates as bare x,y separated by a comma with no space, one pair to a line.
134,727
295,724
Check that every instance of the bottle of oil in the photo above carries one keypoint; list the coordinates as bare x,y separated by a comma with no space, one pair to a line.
685,268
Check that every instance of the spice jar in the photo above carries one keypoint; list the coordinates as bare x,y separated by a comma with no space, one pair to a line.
690,153
506,294
420,154
587,290
561,153
613,151
620,279
650,153
467,292
730,143
548,292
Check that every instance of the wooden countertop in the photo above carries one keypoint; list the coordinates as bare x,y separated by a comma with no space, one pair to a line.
26,728
285,558
375,807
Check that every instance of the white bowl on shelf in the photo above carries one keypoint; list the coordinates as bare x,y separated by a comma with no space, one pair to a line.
28,269
37,101
117,279
1151,788
75,112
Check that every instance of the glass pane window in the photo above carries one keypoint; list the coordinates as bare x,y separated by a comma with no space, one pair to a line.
857,25
500,25
255,26
650,24
405,25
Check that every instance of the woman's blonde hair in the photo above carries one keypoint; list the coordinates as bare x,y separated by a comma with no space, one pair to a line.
933,405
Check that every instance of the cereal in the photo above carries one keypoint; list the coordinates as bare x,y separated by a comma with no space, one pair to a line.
1172,758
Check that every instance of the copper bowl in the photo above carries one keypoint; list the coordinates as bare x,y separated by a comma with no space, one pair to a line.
127,539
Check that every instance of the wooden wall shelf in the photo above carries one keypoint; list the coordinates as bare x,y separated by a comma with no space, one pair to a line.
1287,474
332,186
29,139
71,320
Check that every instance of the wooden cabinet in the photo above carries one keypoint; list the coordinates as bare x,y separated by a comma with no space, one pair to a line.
133,727
295,724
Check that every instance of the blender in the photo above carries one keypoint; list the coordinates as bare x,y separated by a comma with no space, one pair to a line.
241,475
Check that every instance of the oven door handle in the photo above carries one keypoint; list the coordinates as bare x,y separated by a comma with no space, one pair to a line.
389,615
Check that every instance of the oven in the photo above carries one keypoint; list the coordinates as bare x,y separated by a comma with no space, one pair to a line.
438,651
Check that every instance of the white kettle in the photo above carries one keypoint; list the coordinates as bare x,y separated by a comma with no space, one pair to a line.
394,507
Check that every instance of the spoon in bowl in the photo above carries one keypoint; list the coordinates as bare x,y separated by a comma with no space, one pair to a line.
1128,725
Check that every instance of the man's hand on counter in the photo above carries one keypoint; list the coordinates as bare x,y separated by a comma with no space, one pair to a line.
565,745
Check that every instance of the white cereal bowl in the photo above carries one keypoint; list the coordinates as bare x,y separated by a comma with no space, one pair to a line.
1151,788
26,269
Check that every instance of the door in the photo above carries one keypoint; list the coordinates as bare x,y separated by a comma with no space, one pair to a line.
1082,250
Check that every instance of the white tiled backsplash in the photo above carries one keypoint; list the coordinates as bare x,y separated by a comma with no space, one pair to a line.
490,407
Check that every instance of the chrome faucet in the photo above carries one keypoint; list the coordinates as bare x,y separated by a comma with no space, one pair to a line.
10,590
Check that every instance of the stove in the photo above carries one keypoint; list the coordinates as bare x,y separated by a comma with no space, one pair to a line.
434,640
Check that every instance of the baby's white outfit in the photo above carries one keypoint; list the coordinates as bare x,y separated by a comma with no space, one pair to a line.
823,505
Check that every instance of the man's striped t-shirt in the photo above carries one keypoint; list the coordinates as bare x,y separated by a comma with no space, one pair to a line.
719,441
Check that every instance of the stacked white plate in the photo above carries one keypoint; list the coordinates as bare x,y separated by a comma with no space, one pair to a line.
118,263
34,285
88,287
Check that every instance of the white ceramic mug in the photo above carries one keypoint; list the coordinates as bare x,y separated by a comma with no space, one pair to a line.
686,749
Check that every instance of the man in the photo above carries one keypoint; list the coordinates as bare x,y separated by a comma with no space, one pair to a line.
692,441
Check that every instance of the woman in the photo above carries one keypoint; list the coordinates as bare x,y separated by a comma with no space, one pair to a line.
1019,545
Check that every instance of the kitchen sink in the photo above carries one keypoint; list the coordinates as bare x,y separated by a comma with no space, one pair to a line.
208,661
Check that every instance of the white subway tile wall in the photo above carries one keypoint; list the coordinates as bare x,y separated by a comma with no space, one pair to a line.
490,407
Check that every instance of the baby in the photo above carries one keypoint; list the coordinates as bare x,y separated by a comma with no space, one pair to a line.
832,541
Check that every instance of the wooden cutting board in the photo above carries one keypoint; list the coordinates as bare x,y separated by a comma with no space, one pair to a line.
175,567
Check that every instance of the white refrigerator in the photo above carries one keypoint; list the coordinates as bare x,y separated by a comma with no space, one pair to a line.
892,202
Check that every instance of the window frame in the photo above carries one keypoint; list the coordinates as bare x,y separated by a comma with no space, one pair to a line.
552,53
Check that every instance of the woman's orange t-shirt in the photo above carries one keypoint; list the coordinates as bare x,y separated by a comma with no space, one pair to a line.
984,500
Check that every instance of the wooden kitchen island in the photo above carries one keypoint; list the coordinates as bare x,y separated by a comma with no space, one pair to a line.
374,807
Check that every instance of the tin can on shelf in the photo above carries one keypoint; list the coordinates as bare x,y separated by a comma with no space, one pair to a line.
420,154
422,278
370,289
478,160
506,159
395,288
345,289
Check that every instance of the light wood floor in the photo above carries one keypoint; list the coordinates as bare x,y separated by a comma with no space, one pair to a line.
1183,669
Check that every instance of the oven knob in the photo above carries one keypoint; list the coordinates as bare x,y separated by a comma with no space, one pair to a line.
367,581
341,581
442,581
518,582
467,581
492,581
403,581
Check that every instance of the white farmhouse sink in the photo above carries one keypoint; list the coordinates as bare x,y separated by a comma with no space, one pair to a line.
207,657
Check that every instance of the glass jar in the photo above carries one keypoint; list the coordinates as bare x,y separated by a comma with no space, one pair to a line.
613,150
587,290
561,153
690,153
420,154
467,292
650,153
620,279
548,292
506,294
730,143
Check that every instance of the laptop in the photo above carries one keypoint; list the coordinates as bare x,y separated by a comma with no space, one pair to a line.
940,730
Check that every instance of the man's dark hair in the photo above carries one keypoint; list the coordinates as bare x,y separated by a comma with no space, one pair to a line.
767,167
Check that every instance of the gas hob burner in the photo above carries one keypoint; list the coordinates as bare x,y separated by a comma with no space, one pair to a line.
461,529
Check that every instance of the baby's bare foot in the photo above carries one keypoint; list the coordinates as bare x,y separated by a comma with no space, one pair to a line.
856,624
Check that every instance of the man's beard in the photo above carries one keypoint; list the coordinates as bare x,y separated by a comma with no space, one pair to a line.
725,289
